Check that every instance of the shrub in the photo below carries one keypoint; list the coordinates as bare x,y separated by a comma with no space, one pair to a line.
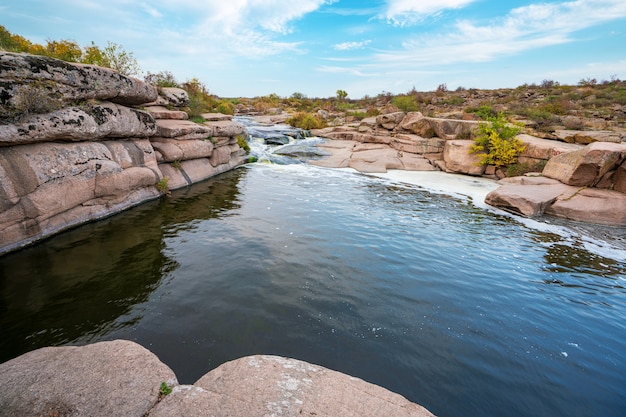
496,142
161,79
200,100
518,169
306,121
485,111
243,143
39,97
225,107
405,103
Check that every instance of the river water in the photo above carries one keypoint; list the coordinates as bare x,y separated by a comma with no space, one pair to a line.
462,309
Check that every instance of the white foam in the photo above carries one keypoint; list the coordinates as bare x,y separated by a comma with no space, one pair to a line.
475,188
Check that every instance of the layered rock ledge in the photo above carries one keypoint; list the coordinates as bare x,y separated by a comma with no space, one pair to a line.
121,378
80,142
579,182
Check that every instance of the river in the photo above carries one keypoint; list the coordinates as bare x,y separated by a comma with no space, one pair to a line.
419,289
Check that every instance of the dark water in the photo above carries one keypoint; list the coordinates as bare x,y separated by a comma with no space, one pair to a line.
464,311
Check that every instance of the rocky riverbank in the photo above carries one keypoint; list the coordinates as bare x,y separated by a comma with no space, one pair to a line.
80,142
121,378
584,181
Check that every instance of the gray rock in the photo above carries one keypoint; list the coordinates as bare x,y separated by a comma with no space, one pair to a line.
86,123
117,378
32,82
174,96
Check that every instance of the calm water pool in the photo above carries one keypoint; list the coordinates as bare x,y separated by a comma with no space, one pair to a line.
460,309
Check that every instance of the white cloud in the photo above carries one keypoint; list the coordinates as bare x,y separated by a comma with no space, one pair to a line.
524,28
151,11
346,46
408,12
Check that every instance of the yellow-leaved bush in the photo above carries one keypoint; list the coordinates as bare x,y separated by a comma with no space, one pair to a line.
496,142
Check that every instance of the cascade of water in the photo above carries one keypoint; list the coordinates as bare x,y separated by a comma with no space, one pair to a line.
279,143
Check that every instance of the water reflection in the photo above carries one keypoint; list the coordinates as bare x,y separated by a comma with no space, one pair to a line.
77,284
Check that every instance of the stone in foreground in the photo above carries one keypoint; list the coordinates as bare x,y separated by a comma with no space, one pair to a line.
118,378
275,386
121,378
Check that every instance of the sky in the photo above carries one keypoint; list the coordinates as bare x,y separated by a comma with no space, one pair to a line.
250,48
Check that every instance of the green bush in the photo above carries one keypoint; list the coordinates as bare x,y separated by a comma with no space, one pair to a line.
306,121
226,107
243,143
405,103
496,142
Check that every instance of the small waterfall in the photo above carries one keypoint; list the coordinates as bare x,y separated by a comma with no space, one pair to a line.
280,143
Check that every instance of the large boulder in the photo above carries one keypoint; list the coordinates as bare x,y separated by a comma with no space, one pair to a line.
587,166
389,121
528,196
262,385
117,378
30,83
458,159
416,123
592,205
89,122
174,96
452,128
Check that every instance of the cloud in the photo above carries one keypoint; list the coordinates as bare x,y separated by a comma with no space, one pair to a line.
151,11
523,28
409,12
346,46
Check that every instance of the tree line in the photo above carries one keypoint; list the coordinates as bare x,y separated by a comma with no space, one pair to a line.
111,56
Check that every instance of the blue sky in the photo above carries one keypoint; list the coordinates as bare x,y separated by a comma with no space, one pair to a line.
247,48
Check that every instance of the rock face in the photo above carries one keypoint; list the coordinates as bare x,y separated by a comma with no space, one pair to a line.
121,378
72,150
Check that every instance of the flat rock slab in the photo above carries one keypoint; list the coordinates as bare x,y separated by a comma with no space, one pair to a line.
161,112
539,148
528,198
217,117
117,378
89,122
275,386
592,205
533,196
182,129
370,157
